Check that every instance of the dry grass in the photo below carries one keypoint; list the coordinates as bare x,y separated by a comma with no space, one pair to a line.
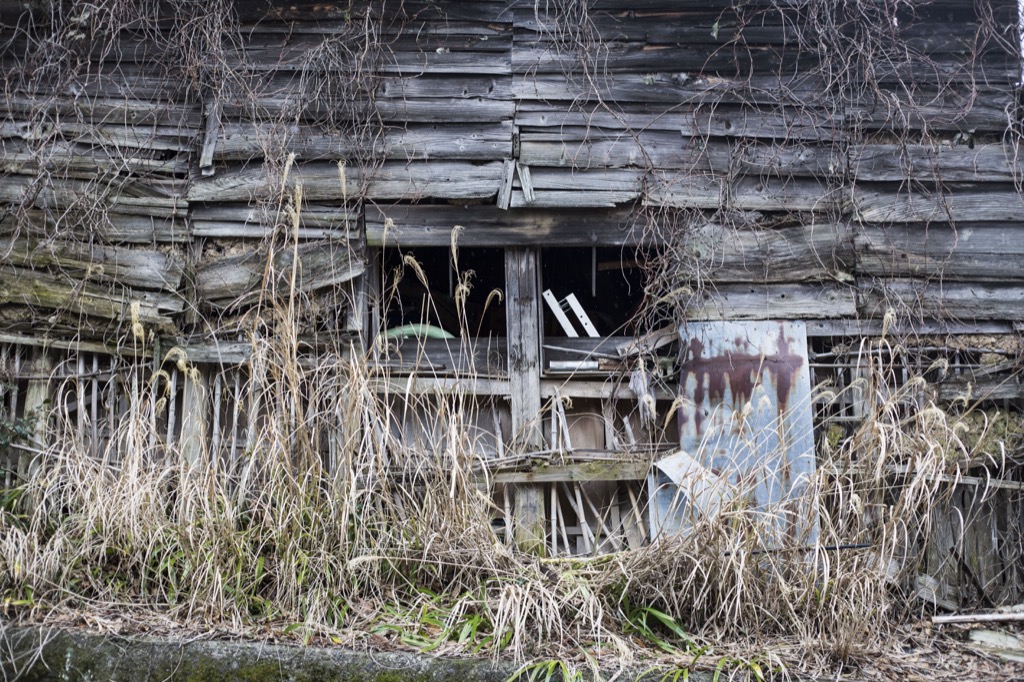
333,528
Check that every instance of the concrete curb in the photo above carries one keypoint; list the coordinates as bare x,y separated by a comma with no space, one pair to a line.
37,654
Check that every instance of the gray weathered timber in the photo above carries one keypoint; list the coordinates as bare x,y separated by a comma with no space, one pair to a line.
664,149
773,302
481,142
783,194
127,110
573,199
244,221
242,279
110,194
41,290
322,182
397,111
815,252
404,225
958,109
481,357
109,228
672,87
938,300
893,162
997,204
522,311
686,190
696,122
134,267
975,251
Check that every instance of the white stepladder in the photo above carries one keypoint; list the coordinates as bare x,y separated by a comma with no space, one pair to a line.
567,304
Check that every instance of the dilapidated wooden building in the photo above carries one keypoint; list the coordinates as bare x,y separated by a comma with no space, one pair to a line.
581,217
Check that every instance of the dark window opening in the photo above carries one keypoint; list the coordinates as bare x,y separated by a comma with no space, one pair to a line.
429,289
606,282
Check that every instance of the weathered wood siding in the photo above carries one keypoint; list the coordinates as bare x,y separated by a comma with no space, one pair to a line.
135,170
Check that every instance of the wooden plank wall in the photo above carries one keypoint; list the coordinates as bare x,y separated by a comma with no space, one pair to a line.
794,184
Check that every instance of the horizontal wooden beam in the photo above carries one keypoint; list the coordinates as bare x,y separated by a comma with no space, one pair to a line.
427,225
582,471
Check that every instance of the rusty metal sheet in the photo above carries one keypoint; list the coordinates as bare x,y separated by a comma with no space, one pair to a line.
745,428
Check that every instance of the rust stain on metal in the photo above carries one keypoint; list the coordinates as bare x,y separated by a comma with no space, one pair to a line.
738,372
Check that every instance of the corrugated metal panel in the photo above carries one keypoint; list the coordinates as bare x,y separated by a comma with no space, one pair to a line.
746,429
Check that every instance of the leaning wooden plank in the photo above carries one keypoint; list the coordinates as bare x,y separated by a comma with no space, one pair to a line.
134,267
773,302
939,300
41,290
241,280
952,204
896,163
322,182
432,225
976,251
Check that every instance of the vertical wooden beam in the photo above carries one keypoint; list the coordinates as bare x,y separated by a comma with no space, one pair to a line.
195,405
523,316
37,410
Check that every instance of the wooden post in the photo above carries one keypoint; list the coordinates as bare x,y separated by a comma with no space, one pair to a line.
523,316
194,417
37,409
